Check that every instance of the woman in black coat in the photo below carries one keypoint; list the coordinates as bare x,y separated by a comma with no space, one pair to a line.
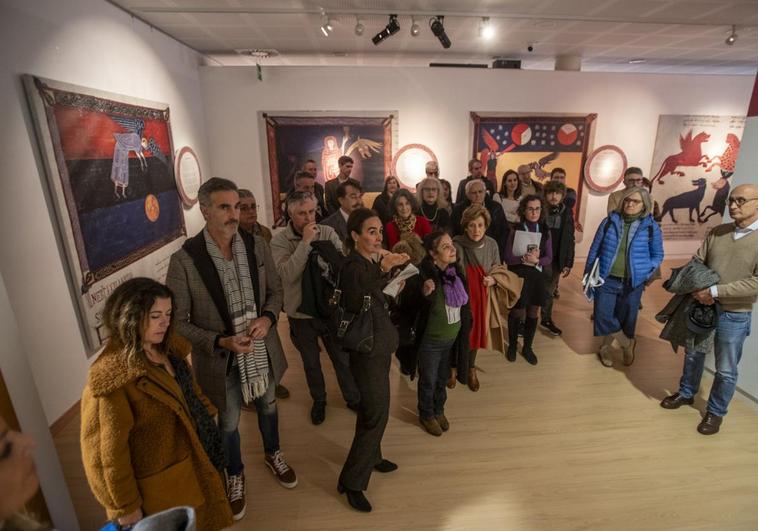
382,202
362,276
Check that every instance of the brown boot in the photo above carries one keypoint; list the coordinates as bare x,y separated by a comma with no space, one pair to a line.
453,377
473,381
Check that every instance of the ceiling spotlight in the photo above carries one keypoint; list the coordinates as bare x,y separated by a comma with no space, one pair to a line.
415,28
637,61
732,38
486,30
359,27
390,29
436,23
326,25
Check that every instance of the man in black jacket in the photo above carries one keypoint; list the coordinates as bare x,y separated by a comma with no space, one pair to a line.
560,222
475,173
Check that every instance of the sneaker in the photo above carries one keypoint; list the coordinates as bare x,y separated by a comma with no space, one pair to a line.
279,467
235,493
551,328
431,426
443,422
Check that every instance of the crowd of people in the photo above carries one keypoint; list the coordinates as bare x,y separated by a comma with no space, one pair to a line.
160,432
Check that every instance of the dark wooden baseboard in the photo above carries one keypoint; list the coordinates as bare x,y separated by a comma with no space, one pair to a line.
64,420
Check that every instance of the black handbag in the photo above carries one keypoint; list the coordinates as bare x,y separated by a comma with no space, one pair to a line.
353,331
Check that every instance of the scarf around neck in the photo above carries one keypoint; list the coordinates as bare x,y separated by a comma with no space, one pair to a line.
240,298
405,225
453,288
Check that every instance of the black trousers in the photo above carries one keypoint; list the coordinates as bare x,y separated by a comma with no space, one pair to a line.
304,334
371,373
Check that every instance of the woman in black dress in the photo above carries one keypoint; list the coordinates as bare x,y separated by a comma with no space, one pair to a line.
362,275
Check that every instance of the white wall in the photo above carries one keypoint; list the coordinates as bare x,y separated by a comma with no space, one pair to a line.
434,106
93,44
746,172
28,408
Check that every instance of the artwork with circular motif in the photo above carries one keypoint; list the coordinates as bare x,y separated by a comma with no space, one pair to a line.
188,175
605,168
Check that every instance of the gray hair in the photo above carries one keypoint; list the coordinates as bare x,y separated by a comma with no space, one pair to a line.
214,184
429,182
472,182
245,193
294,198
644,194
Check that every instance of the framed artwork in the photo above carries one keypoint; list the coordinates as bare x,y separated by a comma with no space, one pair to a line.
110,171
292,140
605,167
544,142
693,160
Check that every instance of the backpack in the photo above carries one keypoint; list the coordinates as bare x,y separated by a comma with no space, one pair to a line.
320,282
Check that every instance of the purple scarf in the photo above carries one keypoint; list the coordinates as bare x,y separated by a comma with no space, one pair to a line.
452,286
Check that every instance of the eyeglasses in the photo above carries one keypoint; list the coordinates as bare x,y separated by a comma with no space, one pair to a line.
428,189
434,173
740,201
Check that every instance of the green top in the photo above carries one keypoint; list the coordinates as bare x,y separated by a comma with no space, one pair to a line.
618,269
437,326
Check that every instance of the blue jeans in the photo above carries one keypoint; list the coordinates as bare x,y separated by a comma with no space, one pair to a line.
434,369
731,332
616,307
229,419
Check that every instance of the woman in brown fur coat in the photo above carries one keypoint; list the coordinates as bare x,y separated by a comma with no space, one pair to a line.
149,441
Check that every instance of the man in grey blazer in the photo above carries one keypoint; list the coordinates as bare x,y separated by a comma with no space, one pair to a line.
202,301
349,196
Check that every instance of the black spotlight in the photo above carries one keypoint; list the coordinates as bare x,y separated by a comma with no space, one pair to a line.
390,29
439,31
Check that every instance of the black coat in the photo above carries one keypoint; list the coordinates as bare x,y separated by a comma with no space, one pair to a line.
382,208
564,241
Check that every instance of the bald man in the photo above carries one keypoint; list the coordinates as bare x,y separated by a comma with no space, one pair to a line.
731,250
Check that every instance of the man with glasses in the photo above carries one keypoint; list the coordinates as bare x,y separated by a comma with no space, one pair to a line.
432,169
349,197
731,250
475,173
632,177
249,216
291,248
311,168
528,185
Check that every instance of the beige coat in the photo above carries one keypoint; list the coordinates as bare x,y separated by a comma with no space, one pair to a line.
139,445
502,297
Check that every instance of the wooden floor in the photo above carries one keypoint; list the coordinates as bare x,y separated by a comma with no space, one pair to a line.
567,444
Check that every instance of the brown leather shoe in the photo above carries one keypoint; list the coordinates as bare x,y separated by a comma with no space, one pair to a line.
453,378
473,381
710,424
443,422
431,426
676,401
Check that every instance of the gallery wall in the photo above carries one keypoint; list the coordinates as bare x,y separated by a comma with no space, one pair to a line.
434,105
93,44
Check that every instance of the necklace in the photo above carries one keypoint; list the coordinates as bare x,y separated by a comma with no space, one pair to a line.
431,219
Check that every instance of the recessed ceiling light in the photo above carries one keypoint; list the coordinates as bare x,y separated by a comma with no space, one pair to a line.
486,29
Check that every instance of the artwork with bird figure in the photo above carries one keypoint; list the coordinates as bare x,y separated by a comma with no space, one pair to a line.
542,142
110,169
293,140
693,160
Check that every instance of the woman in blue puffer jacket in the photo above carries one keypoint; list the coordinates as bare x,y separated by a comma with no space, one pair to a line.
628,246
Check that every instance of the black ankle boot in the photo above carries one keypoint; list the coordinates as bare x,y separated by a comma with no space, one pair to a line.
355,498
530,328
513,325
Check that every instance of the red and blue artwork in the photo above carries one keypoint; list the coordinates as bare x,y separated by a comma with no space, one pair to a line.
115,165
541,142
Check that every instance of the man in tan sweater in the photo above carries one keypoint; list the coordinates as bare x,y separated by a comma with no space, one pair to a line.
731,250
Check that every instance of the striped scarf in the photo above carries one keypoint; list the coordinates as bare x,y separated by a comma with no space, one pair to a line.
240,298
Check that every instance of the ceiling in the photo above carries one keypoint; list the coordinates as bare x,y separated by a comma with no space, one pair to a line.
671,36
